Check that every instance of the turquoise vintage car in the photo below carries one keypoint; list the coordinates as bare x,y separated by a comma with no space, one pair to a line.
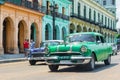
79,48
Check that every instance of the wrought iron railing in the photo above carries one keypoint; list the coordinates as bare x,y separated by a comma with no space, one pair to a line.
83,18
27,4
58,15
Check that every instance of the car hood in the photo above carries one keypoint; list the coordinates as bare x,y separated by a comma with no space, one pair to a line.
74,46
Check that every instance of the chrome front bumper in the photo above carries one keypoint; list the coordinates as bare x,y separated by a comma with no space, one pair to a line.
36,58
80,60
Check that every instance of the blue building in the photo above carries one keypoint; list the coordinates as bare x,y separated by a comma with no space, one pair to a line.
59,18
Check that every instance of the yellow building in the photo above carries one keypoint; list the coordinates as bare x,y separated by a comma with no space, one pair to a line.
89,16
17,22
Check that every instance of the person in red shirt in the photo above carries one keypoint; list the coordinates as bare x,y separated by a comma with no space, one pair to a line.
26,46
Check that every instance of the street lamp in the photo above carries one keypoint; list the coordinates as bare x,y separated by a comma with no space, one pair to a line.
54,10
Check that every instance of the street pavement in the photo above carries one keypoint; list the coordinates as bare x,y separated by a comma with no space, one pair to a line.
6,58
24,71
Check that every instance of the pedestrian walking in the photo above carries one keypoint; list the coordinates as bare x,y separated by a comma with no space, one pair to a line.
26,47
32,44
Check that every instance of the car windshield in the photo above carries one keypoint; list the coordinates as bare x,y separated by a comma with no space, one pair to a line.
81,38
51,43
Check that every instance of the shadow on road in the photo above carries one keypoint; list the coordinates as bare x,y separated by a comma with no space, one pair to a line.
39,64
98,68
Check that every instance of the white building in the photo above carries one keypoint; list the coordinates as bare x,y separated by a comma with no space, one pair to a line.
90,16
108,4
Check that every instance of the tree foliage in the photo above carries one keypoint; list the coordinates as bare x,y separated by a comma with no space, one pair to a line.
118,36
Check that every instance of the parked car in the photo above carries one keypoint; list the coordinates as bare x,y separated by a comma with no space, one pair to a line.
80,48
37,54
118,44
114,49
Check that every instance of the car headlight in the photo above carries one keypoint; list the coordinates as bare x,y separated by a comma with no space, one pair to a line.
83,49
46,50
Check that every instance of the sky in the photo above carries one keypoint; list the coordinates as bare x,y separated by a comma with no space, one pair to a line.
118,13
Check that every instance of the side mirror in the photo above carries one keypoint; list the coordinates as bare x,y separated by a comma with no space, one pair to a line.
98,42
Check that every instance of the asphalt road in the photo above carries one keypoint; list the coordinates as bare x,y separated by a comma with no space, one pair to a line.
23,71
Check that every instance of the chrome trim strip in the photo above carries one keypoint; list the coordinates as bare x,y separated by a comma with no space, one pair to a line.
86,60
37,52
36,58
51,58
64,52
69,63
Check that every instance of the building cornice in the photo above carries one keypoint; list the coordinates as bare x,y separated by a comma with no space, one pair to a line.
97,6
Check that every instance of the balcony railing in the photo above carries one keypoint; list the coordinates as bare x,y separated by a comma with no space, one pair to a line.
27,4
83,18
58,15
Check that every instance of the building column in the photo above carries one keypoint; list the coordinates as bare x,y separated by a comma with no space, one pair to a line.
1,38
16,50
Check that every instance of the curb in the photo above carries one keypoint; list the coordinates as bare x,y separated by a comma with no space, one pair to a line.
13,60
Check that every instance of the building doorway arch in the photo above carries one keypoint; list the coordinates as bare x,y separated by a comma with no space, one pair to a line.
90,30
48,32
72,28
22,34
79,29
8,35
84,29
64,33
56,35
34,34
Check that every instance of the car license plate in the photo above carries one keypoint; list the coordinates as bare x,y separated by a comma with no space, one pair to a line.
65,62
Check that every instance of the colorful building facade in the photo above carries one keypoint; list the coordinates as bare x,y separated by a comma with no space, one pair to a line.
61,28
88,15
37,20
19,20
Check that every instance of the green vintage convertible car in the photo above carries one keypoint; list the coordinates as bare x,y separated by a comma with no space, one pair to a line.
79,49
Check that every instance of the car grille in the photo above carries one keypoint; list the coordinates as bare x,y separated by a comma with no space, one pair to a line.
38,55
66,53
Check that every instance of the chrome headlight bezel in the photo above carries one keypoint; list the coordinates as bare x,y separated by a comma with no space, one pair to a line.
83,49
46,50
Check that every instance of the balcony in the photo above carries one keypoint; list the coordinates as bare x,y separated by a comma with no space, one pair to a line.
115,30
27,4
58,15
84,18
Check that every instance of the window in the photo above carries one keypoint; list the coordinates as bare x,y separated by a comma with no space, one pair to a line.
84,11
95,16
98,17
108,23
111,25
63,10
48,7
102,39
97,38
81,38
102,18
104,2
105,20
89,14
78,9
113,2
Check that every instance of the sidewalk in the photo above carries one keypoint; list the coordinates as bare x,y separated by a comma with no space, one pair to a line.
6,58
